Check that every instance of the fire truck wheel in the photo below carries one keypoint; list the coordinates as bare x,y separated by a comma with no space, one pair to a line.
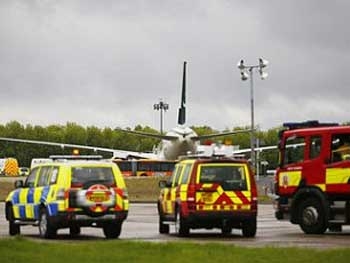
312,216
181,227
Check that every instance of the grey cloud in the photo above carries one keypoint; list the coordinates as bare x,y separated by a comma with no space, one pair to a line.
106,62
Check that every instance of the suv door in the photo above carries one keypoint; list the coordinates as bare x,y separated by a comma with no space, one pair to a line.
25,199
170,192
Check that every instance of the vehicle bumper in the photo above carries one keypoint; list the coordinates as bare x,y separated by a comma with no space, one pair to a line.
65,219
219,219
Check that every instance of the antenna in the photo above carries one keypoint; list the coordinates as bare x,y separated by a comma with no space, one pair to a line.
182,109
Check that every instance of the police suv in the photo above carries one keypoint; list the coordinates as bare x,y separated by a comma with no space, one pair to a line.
69,192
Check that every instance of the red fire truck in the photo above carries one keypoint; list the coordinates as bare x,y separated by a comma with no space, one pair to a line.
312,182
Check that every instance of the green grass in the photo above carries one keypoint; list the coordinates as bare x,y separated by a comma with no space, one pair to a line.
22,250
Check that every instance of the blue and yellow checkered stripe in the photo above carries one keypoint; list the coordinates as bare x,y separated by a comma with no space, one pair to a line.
26,202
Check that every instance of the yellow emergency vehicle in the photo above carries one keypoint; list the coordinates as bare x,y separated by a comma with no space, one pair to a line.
209,193
69,192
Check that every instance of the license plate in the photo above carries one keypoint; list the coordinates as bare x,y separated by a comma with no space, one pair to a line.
207,197
98,197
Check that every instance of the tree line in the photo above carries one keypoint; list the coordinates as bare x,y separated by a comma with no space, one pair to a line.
73,133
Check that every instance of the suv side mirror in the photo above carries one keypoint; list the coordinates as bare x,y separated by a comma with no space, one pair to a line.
164,184
18,184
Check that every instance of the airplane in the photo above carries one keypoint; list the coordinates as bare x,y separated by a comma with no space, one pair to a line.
181,140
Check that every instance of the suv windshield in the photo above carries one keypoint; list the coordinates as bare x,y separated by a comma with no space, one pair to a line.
230,177
83,175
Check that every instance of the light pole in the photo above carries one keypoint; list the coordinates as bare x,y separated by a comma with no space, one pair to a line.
247,72
161,106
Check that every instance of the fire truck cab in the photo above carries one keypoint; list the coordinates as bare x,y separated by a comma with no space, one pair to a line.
312,182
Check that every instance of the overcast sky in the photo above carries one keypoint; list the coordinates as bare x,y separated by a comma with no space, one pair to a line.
105,63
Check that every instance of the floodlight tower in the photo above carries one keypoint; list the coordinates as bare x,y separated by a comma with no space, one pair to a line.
247,73
161,106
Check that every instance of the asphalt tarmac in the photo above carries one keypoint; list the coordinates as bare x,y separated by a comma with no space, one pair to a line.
142,225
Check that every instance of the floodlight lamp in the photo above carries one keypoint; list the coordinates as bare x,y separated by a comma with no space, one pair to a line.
244,75
240,65
263,74
263,63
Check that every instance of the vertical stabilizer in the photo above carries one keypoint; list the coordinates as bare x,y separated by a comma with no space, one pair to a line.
182,109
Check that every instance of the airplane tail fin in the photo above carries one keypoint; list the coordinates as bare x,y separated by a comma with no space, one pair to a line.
182,109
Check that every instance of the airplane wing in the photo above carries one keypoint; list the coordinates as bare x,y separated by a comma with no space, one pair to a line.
203,137
151,135
116,153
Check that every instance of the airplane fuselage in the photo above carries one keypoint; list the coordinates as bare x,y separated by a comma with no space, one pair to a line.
182,145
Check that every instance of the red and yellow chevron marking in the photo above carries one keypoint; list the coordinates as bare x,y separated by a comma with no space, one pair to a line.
214,198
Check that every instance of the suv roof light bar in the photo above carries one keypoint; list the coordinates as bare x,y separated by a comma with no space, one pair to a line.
308,124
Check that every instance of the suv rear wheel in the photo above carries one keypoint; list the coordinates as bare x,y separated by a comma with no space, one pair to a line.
226,230
74,230
181,227
112,230
249,227
46,227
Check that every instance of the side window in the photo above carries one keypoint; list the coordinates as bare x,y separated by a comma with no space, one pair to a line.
315,146
54,175
186,174
294,150
176,175
31,178
44,176
340,147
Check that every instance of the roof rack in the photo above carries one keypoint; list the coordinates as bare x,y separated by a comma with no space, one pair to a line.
76,157
201,156
308,124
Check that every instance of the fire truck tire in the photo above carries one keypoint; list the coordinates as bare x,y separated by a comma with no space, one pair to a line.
14,229
163,228
181,227
311,214
249,228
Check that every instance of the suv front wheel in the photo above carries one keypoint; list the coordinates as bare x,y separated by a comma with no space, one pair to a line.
181,227
14,229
